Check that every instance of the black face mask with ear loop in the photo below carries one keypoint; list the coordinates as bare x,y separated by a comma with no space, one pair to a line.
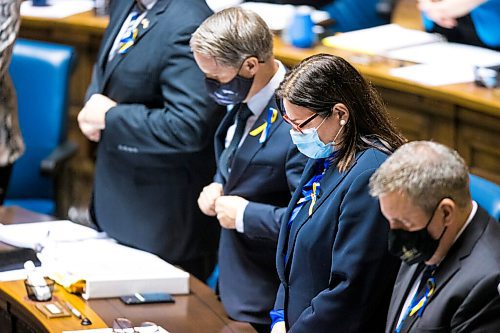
414,246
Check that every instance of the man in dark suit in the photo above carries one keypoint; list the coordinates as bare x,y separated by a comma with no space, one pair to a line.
149,110
450,245
258,165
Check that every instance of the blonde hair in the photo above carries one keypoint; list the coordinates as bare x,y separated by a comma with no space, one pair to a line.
232,35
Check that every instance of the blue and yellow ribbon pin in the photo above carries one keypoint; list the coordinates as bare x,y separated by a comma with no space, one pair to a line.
263,130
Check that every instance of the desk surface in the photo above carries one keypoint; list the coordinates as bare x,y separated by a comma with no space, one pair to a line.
200,311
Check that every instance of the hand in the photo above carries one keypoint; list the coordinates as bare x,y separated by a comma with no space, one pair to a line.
279,327
445,12
206,200
226,208
91,118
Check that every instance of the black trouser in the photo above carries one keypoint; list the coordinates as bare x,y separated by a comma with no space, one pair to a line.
5,172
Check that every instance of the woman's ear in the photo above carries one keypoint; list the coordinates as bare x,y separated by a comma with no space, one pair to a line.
341,112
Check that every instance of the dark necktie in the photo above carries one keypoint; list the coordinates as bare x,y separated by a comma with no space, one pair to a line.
226,158
424,292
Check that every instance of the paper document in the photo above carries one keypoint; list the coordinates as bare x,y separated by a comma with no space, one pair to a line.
57,8
36,235
446,53
435,74
379,40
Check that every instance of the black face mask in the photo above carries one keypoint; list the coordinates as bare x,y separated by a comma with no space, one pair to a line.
232,92
414,246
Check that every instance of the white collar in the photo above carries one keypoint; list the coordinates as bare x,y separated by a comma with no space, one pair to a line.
259,101
469,219
148,3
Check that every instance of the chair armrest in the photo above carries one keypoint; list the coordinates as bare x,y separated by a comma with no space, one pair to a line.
61,154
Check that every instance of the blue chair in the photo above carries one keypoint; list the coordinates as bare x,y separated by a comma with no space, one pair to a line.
486,194
40,72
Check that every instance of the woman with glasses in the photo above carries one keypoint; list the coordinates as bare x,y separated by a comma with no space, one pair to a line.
335,270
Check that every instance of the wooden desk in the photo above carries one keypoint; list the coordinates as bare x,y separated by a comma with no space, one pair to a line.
462,116
200,311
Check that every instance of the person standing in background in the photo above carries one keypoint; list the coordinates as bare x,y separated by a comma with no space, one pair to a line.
11,143
258,165
148,108
474,22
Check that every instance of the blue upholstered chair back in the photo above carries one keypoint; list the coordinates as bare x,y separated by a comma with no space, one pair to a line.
486,194
40,72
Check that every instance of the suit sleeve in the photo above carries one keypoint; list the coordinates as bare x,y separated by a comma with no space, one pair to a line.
264,221
185,123
480,310
358,270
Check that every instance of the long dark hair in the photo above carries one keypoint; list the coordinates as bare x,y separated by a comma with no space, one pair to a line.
323,80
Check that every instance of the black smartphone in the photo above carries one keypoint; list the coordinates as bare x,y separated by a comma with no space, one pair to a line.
145,298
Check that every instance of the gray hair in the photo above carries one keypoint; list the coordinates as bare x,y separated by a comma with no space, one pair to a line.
232,35
425,172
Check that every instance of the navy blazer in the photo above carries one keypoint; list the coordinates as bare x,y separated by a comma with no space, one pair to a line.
155,154
466,298
338,274
265,174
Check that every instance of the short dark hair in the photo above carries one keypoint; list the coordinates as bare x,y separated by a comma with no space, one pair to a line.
323,80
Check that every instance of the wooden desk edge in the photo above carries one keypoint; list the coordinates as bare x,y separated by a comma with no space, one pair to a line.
14,293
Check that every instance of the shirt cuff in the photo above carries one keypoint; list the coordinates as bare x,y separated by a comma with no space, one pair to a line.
239,217
277,316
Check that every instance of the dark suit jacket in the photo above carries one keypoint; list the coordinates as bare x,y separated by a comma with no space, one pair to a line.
266,175
155,153
466,298
338,274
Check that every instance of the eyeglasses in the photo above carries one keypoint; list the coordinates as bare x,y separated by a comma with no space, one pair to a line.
296,127
124,325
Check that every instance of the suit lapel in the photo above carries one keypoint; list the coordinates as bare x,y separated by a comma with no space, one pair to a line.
251,146
114,30
283,240
221,132
404,283
332,179
146,25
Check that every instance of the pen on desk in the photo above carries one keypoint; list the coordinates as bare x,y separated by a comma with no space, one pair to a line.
74,310
85,321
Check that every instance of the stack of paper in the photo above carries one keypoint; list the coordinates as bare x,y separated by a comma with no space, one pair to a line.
379,40
71,253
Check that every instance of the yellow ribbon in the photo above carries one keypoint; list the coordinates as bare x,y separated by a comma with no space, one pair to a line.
313,197
262,127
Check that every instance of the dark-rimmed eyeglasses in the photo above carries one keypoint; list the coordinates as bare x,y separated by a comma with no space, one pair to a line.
124,325
295,127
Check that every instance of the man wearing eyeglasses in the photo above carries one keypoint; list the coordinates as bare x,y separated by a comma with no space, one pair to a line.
258,166
450,246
